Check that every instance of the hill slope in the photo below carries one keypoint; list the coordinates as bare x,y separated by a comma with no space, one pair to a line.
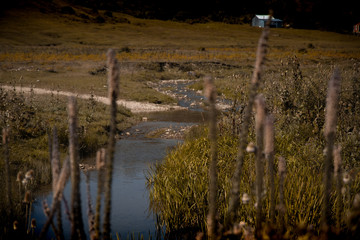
319,14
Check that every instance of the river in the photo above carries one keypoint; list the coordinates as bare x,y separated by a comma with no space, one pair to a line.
135,153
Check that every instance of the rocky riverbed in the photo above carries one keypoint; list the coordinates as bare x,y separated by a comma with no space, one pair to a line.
191,99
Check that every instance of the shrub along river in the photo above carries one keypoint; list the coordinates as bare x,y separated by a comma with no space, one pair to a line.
135,153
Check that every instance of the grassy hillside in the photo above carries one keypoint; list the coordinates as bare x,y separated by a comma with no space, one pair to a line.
66,51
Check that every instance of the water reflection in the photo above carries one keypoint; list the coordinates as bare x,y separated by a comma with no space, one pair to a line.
134,155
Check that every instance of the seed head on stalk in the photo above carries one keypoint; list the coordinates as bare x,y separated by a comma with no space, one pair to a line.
77,226
113,84
260,116
269,139
234,199
332,102
210,94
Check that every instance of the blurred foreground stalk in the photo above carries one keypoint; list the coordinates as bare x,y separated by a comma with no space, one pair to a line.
113,85
331,117
210,94
77,226
234,200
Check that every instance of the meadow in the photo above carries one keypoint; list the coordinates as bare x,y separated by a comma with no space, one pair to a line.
67,52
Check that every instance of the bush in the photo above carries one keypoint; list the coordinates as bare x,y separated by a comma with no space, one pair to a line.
19,115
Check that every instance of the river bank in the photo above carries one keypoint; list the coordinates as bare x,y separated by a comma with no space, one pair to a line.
133,106
138,147
136,151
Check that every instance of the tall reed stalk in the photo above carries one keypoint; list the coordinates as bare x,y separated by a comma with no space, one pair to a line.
77,226
113,85
19,178
90,212
260,116
27,201
338,178
47,214
100,163
5,138
269,156
210,94
282,174
55,167
234,199
58,194
330,137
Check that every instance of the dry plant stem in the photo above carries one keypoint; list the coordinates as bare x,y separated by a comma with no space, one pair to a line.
282,173
90,211
26,214
234,199
234,127
20,192
77,226
100,161
269,155
330,136
354,217
29,220
50,142
113,93
55,167
338,176
58,194
47,212
210,94
67,209
259,161
55,159
5,135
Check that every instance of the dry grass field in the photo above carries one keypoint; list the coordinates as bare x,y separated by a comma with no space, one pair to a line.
67,52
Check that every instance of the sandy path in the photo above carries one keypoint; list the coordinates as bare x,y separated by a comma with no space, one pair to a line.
135,107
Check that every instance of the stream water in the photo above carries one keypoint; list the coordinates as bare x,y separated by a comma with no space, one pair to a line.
134,155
